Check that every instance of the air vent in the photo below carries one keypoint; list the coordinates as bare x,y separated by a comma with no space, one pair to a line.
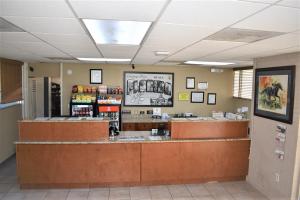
6,26
242,35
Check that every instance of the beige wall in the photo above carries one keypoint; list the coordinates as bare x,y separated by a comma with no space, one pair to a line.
263,162
221,83
9,130
238,103
44,70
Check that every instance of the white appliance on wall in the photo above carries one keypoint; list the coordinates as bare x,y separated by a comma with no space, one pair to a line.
39,97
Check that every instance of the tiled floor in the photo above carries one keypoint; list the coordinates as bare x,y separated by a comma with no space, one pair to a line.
9,190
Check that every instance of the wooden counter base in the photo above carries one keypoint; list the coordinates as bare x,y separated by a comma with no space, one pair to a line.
125,164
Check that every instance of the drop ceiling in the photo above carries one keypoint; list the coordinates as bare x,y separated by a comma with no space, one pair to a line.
54,29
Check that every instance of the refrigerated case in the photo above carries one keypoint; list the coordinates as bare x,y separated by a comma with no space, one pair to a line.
82,109
55,100
112,112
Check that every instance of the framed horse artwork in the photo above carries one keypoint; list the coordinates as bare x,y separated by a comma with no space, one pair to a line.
274,93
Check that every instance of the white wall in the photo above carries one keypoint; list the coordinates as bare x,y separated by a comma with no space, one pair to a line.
263,162
9,130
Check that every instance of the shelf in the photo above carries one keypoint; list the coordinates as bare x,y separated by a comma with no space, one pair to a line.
79,103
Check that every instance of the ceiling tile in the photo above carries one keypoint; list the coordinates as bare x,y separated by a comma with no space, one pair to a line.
75,45
203,48
118,51
11,52
209,13
146,10
172,37
261,1
66,39
83,52
146,56
290,3
275,18
38,48
18,37
35,8
258,48
48,25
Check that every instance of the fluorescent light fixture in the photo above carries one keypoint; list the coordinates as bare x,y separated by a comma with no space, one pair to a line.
191,62
162,53
105,59
117,32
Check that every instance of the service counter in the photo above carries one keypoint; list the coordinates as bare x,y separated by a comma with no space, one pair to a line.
133,158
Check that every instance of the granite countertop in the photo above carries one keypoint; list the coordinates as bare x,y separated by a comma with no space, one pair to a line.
130,137
142,119
116,141
149,119
66,119
207,119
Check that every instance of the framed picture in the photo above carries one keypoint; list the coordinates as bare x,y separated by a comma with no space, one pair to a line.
211,98
153,89
202,86
95,76
190,83
183,96
197,97
274,93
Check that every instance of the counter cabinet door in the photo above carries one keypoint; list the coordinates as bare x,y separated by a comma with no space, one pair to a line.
161,163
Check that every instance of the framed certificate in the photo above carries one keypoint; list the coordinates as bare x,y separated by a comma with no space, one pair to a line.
202,86
183,96
211,98
190,83
95,76
197,97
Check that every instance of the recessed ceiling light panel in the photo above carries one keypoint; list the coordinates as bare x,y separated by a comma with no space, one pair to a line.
117,32
242,35
191,62
105,59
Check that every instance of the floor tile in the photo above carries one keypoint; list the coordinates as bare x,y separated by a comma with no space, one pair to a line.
224,196
35,195
78,195
137,193
5,187
100,189
215,188
119,193
235,187
14,196
257,196
183,198
15,188
197,190
179,191
98,195
56,195
160,192
204,198
2,195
